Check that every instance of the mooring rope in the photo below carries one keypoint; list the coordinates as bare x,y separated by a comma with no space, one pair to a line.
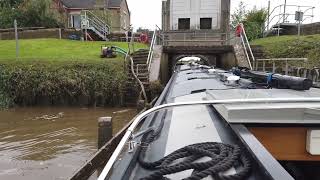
222,158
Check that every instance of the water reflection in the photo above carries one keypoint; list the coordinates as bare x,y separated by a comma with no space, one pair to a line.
50,143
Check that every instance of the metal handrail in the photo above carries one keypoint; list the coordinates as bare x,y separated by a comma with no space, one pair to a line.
139,119
274,60
245,41
96,17
95,22
194,36
283,16
153,42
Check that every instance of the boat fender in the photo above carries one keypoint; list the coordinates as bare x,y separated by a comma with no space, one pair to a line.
269,80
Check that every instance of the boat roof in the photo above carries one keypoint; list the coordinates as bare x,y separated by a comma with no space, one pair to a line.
184,126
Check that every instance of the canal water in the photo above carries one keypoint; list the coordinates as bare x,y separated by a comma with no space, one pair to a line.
51,143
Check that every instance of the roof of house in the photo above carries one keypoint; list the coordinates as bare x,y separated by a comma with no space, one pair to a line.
83,4
114,3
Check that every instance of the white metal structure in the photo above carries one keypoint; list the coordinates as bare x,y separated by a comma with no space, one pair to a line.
194,10
89,21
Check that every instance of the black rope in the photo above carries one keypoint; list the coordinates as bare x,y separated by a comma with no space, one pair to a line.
222,158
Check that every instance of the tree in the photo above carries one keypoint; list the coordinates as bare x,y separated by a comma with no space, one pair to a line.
29,13
239,15
10,3
38,13
253,20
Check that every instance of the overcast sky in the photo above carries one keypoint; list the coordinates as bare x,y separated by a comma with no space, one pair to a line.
147,13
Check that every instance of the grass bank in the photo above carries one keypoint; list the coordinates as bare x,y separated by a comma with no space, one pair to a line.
57,50
293,47
60,72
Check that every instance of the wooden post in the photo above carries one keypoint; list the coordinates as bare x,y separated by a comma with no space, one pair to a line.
104,130
273,67
287,67
60,33
16,37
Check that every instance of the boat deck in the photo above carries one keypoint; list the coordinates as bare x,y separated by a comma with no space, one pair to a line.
183,126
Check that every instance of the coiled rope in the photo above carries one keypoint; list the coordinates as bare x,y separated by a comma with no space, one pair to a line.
222,158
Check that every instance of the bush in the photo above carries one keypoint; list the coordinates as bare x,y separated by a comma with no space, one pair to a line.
63,83
254,23
30,13
254,20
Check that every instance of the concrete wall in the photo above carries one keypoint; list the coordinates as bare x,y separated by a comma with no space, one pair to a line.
115,20
166,15
225,17
227,61
195,9
164,68
218,10
120,18
124,16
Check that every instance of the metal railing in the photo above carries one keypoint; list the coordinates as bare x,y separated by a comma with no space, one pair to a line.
136,122
193,37
152,45
278,60
91,21
246,46
284,16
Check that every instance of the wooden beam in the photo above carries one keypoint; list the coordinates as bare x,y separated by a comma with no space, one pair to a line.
285,143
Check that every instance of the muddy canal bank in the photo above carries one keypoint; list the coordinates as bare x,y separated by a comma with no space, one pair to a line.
51,143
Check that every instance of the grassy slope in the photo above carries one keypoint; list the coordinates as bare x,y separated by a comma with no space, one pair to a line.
56,50
293,46
62,72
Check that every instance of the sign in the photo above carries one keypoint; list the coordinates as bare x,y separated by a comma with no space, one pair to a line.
299,16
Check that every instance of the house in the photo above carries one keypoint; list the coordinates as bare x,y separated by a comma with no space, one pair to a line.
195,15
115,13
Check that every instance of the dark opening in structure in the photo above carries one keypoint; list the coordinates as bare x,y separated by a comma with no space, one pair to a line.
184,23
205,23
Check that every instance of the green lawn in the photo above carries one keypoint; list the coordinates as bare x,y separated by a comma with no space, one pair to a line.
57,50
293,47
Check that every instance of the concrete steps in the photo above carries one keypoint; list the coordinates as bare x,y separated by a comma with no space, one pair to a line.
132,90
240,54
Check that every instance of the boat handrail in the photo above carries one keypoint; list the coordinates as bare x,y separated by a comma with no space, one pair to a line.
139,119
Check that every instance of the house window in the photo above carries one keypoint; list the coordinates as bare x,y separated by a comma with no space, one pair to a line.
205,23
183,23
76,21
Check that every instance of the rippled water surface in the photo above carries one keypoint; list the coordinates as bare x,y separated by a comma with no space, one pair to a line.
51,143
